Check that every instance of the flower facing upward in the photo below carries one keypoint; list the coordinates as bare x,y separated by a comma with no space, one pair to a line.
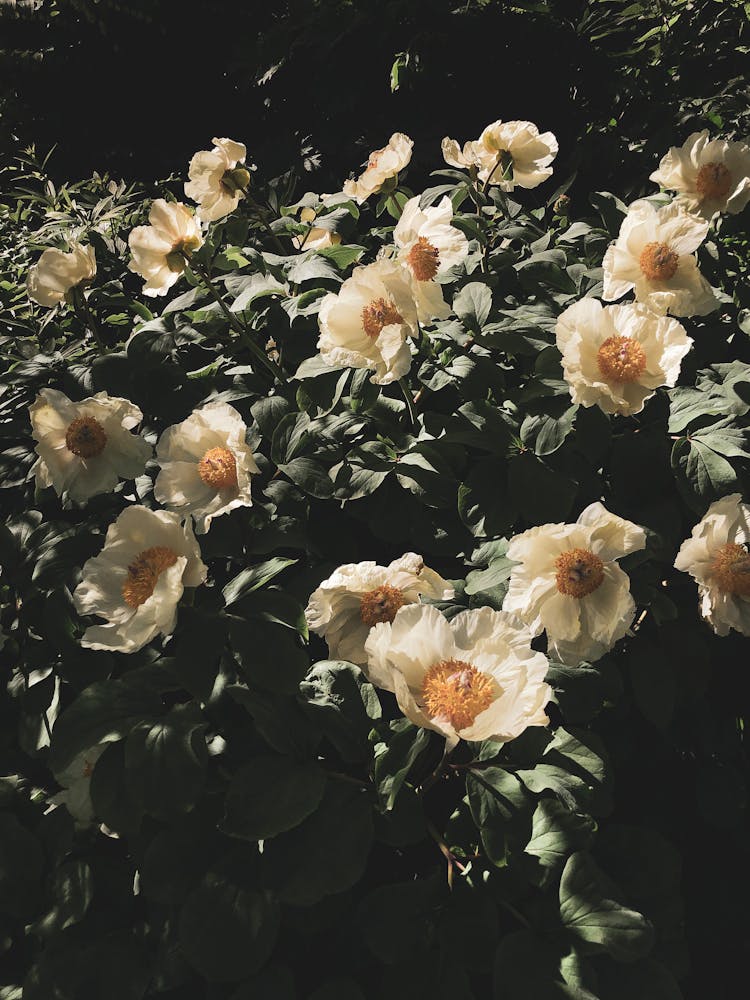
56,272
360,595
217,179
474,677
159,249
366,323
716,556
137,580
85,448
654,256
569,584
506,154
382,165
206,465
615,357
709,175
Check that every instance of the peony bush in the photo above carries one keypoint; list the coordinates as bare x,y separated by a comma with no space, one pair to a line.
370,558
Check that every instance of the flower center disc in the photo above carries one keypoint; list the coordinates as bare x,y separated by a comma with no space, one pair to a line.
713,181
658,261
378,314
457,692
621,359
85,437
218,469
143,573
731,569
579,572
381,604
424,259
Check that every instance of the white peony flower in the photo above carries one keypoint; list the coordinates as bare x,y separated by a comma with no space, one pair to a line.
716,556
709,175
217,181
159,248
56,272
474,677
366,323
85,448
653,255
568,582
428,246
383,164
137,580
76,782
615,357
316,237
359,595
205,465
506,154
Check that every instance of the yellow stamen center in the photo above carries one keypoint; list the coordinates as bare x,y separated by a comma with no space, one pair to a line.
621,359
381,604
424,259
456,692
713,181
218,469
85,437
658,261
143,574
579,572
730,569
379,314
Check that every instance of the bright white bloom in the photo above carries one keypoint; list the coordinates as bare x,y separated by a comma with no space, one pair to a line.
137,580
366,323
383,164
568,582
56,272
474,677
158,249
85,448
316,237
709,175
428,246
217,181
615,357
359,595
205,465
654,256
506,154
76,782
716,556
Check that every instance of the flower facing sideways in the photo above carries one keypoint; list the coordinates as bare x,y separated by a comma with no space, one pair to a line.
716,556
85,448
359,595
615,357
654,256
56,273
206,465
709,175
506,154
137,580
474,677
382,165
218,179
568,583
76,782
159,249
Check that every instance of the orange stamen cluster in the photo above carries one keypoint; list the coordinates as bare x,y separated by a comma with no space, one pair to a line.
379,314
621,359
713,181
730,569
578,572
381,604
144,572
85,437
424,259
218,469
658,261
456,692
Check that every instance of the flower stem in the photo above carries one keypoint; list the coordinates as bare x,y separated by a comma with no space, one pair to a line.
261,216
81,308
409,401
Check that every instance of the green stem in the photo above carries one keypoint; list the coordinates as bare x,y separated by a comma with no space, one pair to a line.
409,401
261,216
81,307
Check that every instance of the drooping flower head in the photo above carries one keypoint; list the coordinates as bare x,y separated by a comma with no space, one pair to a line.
159,249
474,677
568,583
137,580
506,155
357,596
615,357
206,465
716,556
709,175
55,273
86,448
654,256
382,165
217,179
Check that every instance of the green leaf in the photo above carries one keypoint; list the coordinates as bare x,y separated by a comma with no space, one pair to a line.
542,494
249,580
342,704
270,795
496,797
556,832
342,254
21,865
472,305
394,760
702,474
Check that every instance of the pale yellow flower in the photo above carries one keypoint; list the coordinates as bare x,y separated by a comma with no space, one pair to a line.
506,155
218,179
709,175
382,165
159,249
56,272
